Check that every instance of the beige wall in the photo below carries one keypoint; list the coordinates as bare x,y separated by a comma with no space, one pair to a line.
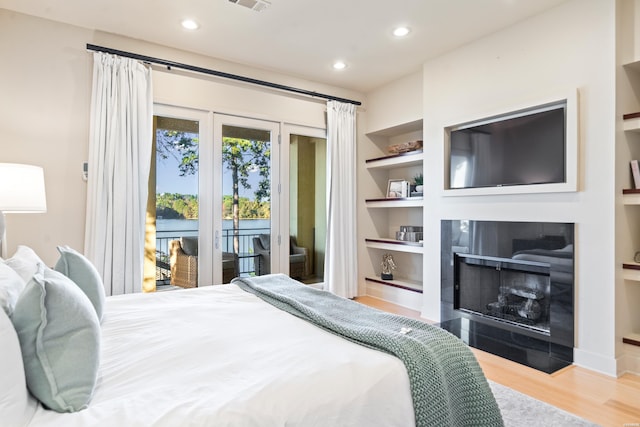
45,84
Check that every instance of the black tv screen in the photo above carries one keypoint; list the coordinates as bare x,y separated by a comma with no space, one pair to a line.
524,148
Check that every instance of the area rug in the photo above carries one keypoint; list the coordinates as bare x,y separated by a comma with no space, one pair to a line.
520,410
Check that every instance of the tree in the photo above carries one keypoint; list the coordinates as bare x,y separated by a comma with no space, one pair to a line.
182,146
177,206
241,157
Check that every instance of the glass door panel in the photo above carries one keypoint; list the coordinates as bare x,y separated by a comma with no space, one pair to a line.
173,208
247,202
307,202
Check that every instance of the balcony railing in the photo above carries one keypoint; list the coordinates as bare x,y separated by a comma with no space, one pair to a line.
245,252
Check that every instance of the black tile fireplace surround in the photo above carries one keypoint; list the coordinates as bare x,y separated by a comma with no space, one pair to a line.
508,288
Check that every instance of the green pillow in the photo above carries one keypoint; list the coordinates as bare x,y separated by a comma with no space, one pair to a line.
81,271
59,334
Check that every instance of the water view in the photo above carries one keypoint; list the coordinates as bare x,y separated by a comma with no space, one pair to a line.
174,228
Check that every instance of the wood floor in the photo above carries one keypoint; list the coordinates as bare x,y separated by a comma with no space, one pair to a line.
599,398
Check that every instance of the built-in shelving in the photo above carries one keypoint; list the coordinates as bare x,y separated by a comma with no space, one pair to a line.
388,214
631,123
631,196
627,237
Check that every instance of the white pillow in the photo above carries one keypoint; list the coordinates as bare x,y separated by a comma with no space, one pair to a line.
16,405
11,285
25,262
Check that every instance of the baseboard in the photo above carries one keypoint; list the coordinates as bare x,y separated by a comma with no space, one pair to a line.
595,362
629,362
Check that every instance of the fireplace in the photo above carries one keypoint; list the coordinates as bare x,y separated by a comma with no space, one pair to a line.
508,288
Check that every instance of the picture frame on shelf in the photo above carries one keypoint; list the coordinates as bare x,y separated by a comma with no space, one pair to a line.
397,188
635,172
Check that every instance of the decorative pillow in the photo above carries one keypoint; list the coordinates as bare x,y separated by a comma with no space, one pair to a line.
11,285
16,406
265,241
59,335
189,245
25,262
82,272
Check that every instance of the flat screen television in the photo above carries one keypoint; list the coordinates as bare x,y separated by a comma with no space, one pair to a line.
526,147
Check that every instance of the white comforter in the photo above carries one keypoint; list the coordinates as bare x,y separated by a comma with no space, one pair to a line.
218,356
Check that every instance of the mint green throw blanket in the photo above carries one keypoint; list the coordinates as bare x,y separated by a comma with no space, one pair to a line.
448,386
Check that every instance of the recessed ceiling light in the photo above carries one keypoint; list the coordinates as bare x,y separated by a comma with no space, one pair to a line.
401,31
190,24
339,65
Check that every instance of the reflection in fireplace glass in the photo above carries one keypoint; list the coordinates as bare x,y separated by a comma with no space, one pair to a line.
516,292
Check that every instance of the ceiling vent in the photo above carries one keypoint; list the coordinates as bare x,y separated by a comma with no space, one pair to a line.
257,5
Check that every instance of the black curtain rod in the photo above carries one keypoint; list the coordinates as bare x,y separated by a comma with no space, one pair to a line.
172,64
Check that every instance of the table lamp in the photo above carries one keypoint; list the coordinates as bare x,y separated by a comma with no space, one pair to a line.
21,191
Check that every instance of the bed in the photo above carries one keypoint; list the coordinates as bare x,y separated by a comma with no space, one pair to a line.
227,356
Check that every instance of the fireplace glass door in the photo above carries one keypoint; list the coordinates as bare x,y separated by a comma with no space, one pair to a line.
504,289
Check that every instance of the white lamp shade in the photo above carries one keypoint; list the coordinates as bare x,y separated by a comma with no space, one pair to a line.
22,188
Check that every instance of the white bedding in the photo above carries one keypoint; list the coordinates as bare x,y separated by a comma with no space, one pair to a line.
218,356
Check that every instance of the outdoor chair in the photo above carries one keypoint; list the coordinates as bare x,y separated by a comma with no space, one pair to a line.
183,257
297,256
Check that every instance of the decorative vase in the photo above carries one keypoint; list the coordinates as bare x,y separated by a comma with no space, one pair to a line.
419,188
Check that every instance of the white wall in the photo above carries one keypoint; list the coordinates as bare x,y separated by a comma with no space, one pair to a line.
45,85
567,48
397,102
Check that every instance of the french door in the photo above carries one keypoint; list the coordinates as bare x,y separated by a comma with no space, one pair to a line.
219,181
178,243
246,165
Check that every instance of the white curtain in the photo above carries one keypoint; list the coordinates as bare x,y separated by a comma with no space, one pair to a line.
341,273
119,161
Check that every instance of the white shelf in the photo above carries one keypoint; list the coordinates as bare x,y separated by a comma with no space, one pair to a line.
394,245
406,202
396,161
631,339
407,284
631,125
631,271
634,65
631,198
412,126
